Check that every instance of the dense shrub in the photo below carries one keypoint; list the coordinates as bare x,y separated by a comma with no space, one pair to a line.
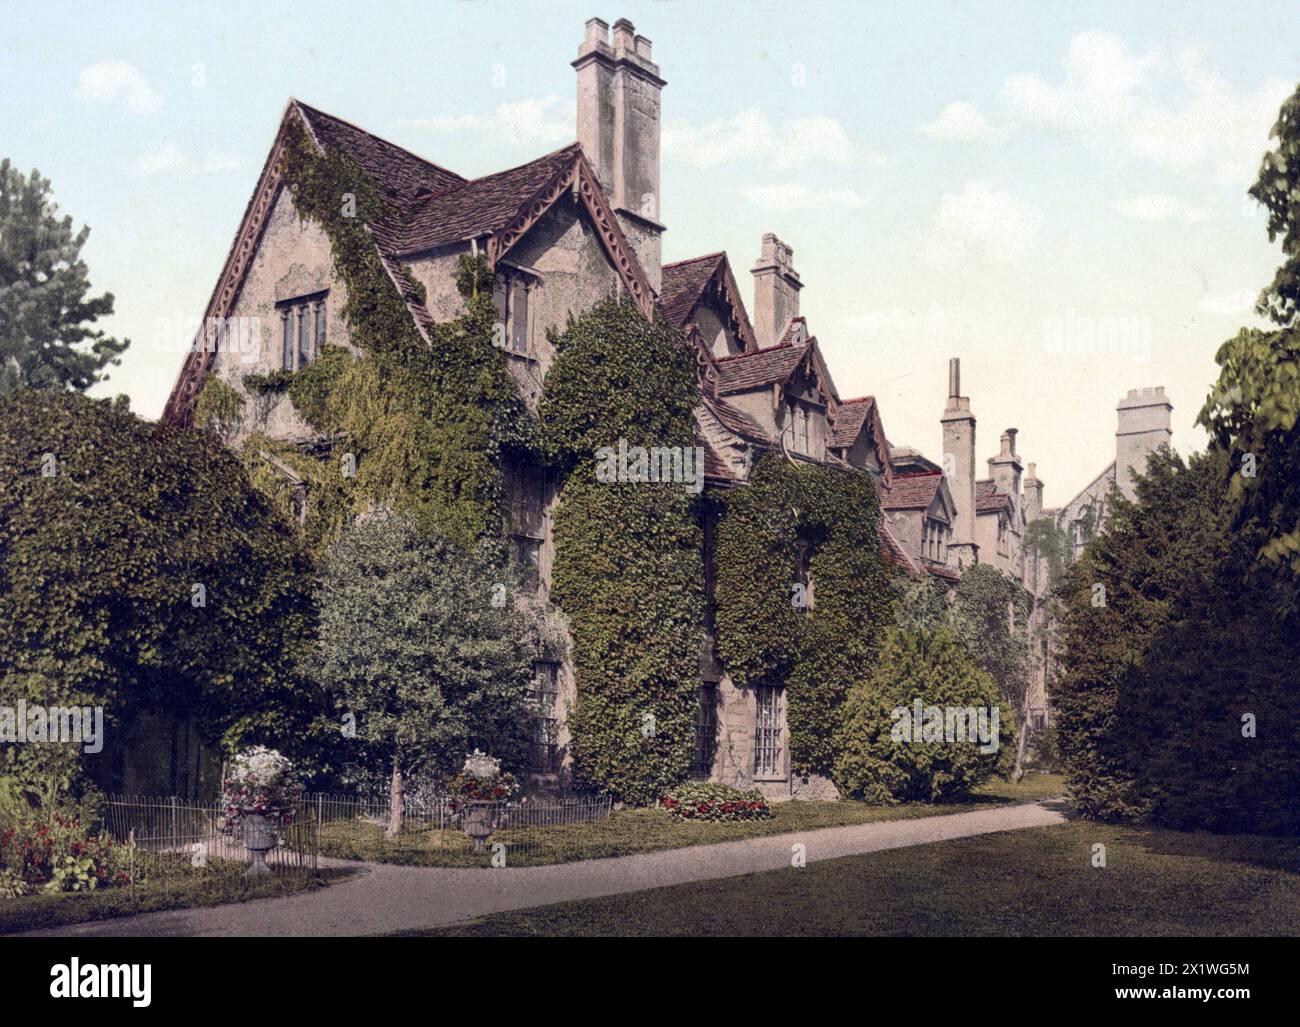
879,761
715,802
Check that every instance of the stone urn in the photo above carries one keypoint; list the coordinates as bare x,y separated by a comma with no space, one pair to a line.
260,836
478,823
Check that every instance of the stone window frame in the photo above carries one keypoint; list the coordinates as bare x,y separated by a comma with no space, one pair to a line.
513,284
302,329
770,734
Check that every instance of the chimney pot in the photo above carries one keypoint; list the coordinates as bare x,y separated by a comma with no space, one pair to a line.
624,36
643,47
597,32
776,290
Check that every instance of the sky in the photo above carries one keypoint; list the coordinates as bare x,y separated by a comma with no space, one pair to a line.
1002,182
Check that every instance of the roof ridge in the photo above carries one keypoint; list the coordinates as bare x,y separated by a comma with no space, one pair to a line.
492,174
387,142
696,260
757,352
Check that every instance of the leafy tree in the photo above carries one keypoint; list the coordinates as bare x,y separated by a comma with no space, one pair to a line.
1253,409
878,762
1115,599
421,652
47,338
141,572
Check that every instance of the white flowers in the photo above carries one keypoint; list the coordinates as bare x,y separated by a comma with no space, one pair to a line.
482,766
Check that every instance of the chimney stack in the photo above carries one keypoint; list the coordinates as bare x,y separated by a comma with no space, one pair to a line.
1033,495
1005,468
1144,427
959,467
776,290
618,127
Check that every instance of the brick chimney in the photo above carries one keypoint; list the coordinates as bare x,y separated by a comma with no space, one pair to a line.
618,127
1144,427
776,290
959,467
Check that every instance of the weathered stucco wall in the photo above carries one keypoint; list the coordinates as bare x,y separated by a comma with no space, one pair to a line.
293,259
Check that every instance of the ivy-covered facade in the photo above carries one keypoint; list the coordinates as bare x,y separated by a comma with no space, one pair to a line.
687,487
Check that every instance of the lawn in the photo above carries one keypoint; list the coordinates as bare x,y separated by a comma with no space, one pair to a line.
220,882
1033,882
631,831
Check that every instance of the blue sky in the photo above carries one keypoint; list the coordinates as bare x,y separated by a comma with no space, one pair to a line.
961,180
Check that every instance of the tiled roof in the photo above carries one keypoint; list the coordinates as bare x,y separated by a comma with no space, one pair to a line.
397,170
714,466
470,209
911,491
947,573
759,368
736,420
795,333
987,498
848,419
683,283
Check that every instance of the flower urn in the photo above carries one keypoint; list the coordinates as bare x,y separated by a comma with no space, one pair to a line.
260,837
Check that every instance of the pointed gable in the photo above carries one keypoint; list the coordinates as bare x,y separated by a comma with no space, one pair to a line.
688,283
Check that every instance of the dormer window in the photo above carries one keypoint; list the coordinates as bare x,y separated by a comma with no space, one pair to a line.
798,421
302,330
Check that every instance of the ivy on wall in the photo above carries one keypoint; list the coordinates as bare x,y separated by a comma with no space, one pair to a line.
762,637
628,570
418,425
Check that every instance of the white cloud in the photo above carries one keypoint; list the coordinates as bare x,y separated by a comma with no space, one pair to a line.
794,196
981,223
1109,93
1154,207
113,82
961,122
170,159
521,123
751,136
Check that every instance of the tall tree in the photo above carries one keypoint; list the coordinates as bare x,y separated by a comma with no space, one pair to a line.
1253,410
423,652
47,333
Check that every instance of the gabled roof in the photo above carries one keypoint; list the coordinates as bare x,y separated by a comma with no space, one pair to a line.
774,365
399,172
988,499
848,421
470,210
686,283
912,491
440,204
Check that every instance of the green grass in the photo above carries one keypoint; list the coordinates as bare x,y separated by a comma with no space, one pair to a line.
631,831
1033,882
220,882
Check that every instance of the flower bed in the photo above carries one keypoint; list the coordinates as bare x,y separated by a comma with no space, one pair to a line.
715,802
56,855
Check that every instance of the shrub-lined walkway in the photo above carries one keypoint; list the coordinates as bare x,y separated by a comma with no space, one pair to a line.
395,898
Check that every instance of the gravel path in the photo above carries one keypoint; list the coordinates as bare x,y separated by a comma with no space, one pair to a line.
389,898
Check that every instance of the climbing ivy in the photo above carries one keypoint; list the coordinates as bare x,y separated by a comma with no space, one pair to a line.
628,570
424,420
762,636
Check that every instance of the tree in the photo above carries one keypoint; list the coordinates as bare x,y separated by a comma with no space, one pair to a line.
1119,595
1252,412
885,756
422,652
47,338
139,571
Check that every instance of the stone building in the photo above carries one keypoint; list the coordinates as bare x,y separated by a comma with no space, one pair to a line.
1144,426
560,233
